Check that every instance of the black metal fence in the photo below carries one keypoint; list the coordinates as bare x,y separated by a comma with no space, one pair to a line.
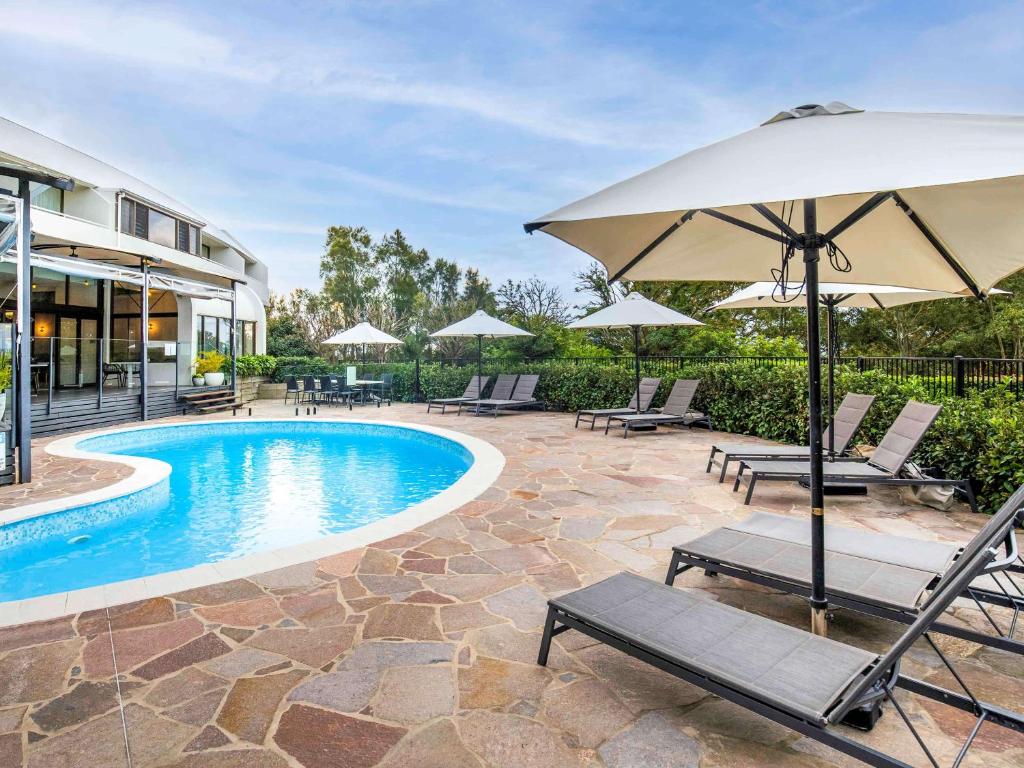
953,376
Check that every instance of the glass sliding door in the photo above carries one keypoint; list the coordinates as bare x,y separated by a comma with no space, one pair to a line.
67,353
90,350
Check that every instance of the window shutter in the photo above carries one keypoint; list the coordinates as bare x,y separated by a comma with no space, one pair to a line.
183,236
141,221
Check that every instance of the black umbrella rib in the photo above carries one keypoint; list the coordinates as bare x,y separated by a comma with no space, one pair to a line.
859,213
777,220
745,225
654,244
939,247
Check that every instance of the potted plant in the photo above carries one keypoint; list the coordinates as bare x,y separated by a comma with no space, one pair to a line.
209,365
5,380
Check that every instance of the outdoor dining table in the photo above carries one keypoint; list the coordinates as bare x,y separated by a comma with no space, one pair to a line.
365,384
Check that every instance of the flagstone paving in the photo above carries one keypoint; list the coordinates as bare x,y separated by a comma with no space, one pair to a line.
419,651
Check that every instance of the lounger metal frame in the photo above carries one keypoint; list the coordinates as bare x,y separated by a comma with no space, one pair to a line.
963,486
878,683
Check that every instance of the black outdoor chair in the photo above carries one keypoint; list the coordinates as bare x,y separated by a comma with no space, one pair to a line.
807,683
291,389
387,387
309,391
327,394
117,371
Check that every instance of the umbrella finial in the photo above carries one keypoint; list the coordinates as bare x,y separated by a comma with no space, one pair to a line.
811,110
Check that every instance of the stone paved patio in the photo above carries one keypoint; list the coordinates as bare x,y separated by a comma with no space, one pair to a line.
419,651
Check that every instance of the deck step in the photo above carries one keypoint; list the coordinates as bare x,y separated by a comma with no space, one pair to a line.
206,395
220,406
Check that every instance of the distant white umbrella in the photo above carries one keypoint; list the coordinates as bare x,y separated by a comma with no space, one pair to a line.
769,295
364,334
481,324
886,198
636,312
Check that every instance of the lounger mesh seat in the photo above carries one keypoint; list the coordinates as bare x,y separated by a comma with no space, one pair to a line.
676,410
846,422
884,583
648,388
502,390
804,673
474,390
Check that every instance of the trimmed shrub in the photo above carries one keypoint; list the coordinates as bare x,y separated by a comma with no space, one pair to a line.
253,365
980,436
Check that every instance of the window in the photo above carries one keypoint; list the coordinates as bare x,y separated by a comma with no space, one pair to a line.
158,227
246,335
206,251
162,229
49,199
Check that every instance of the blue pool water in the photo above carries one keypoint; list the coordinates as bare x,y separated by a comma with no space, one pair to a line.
234,489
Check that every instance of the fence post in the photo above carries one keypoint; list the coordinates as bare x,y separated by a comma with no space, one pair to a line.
416,384
958,376
860,365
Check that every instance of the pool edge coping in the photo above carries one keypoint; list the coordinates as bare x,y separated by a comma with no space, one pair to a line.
488,463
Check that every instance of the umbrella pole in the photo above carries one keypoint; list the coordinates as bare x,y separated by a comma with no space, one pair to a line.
830,303
819,604
636,363
479,366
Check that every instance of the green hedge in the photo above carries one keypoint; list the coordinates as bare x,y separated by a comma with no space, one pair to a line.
253,365
980,436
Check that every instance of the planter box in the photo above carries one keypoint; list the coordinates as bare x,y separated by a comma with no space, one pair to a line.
248,387
270,391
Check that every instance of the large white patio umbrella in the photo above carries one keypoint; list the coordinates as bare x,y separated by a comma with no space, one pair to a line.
770,295
481,324
635,311
935,199
365,334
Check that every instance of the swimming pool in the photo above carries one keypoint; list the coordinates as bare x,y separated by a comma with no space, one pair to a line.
235,489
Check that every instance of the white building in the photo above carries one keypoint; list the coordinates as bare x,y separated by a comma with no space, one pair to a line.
86,323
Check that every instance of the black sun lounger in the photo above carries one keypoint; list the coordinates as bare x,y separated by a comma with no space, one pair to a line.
873,573
521,397
648,387
883,468
474,390
846,422
502,390
675,412
807,683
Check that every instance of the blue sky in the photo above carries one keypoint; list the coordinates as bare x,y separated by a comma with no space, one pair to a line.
457,121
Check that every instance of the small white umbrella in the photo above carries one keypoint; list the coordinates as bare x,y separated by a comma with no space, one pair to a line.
634,311
769,295
481,324
886,198
364,333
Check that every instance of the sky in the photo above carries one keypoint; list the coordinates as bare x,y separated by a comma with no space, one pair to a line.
458,121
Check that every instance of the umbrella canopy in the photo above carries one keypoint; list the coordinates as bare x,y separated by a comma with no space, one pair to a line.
363,333
766,295
769,295
634,311
885,197
481,324
950,215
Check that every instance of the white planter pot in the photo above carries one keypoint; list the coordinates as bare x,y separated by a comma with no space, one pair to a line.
214,379
3,403
198,381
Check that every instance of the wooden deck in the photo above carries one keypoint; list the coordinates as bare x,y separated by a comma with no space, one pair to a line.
76,410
